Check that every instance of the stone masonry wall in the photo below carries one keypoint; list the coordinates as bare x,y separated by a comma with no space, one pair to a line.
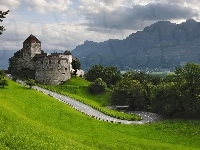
52,71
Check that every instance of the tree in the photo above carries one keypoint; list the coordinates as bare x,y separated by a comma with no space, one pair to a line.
2,15
30,82
2,74
110,75
129,92
98,86
165,99
3,81
178,94
147,81
188,79
142,77
94,73
13,64
75,65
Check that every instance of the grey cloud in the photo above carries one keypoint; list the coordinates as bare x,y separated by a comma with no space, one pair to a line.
136,17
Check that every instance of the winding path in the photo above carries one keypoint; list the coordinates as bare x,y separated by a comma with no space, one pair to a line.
87,110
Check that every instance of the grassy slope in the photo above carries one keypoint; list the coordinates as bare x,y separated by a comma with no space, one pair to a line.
29,119
77,88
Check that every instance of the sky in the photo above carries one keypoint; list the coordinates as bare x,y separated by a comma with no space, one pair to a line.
64,24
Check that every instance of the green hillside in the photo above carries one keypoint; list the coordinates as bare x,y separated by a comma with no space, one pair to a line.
32,120
77,88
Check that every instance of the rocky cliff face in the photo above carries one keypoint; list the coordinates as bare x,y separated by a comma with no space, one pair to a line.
160,45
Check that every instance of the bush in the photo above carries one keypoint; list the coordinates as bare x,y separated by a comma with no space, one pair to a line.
98,86
14,79
30,82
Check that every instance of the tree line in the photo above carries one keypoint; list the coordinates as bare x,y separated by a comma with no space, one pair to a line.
175,95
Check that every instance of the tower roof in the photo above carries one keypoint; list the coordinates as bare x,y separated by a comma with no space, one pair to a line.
67,53
32,39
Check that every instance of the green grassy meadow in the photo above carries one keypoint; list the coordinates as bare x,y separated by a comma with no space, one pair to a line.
32,120
77,88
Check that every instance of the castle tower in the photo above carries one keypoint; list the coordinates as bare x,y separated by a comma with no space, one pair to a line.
31,46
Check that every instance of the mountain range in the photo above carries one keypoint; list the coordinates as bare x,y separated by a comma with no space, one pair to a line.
162,45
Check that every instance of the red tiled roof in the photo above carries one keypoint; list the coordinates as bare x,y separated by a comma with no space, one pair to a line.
32,39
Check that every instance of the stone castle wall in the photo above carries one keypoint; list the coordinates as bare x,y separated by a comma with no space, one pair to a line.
52,71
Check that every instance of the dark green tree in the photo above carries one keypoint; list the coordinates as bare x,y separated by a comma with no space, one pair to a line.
98,86
94,73
13,66
129,92
3,81
147,81
30,82
2,16
76,65
142,77
2,74
178,94
110,75
188,81
165,99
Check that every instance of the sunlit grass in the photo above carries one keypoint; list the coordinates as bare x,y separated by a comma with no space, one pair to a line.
77,88
32,120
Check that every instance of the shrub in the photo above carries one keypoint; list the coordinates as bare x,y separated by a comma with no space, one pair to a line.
14,79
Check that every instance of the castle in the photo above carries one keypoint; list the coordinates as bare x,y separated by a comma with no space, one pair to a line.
48,69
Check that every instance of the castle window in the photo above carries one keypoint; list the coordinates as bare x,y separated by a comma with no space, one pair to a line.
65,68
41,61
59,62
63,73
49,61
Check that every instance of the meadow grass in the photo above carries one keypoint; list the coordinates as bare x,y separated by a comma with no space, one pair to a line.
32,120
77,88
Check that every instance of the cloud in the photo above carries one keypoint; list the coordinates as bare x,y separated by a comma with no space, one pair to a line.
9,4
44,6
138,16
54,36
92,20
